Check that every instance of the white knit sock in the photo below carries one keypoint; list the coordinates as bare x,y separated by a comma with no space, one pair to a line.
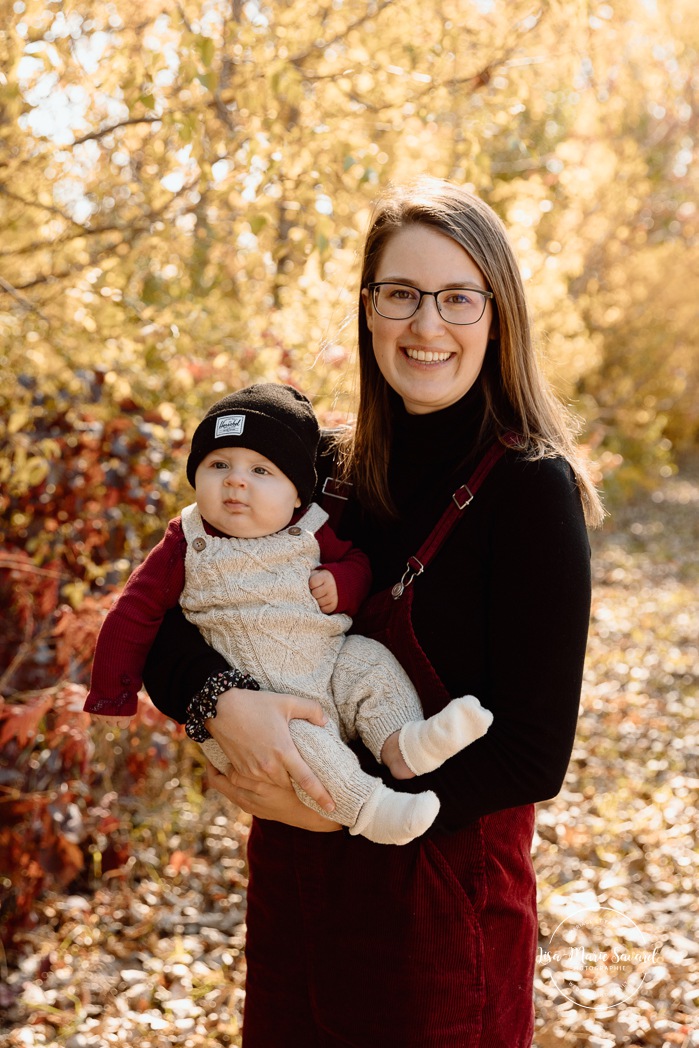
387,817
427,744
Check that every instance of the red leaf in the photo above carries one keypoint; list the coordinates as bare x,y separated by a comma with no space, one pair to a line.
21,722
72,859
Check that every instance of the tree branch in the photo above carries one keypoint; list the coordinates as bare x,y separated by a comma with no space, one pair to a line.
90,231
17,564
52,209
92,136
301,57
130,233
56,242
24,302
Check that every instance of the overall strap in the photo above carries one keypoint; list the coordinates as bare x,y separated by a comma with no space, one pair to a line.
461,498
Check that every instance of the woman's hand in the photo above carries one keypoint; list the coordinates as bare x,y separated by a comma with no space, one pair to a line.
252,729
266,801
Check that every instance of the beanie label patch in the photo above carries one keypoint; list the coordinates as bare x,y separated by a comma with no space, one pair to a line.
229,426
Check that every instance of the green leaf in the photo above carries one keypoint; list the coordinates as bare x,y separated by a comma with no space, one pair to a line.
257,223
207,49
208,80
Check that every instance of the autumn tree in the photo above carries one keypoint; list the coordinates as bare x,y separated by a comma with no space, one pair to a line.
183,189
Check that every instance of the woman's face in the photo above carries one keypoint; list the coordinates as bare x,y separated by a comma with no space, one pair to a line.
428,362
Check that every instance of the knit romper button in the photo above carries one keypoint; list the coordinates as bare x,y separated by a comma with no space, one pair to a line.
199,545
294,531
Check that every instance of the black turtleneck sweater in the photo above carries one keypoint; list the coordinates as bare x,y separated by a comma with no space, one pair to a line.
502,612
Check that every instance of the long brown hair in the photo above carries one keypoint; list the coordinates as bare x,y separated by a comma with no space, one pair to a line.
518,397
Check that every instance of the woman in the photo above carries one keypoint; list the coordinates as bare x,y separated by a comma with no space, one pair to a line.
479,589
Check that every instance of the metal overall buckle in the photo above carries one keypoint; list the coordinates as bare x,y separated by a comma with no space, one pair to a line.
334,488
413,569
463,497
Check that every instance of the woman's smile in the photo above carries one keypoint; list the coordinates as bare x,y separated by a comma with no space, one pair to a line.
429,356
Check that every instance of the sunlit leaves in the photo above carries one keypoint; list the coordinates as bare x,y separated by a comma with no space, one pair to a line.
184,188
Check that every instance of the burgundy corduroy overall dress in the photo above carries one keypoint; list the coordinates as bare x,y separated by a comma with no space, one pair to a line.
427,945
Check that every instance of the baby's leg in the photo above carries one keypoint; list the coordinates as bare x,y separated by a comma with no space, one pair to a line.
375,697
372,692
215,754
362,802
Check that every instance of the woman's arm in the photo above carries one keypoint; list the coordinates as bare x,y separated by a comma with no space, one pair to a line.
179,664
515,637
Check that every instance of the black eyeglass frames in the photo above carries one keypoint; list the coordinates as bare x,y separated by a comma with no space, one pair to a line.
456,305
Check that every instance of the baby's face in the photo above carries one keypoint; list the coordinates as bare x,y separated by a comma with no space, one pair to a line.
243,494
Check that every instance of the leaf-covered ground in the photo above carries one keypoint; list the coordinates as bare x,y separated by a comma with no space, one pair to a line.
622,835
154,954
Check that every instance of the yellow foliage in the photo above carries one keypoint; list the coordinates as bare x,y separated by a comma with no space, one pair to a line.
184,191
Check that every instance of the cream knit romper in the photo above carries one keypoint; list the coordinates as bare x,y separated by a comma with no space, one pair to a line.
251,601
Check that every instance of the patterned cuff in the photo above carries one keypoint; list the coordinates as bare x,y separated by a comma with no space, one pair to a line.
205,702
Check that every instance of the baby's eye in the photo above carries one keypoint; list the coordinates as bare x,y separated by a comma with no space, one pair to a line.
218,464
261,471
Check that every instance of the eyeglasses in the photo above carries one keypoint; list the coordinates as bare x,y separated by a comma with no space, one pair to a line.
456,305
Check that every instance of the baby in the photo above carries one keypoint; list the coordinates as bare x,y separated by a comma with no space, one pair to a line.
256,567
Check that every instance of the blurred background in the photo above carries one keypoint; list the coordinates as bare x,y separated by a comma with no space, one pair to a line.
184,187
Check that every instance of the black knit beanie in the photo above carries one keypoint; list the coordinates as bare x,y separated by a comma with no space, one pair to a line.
273,419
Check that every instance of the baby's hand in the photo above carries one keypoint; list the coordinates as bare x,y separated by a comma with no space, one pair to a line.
324,589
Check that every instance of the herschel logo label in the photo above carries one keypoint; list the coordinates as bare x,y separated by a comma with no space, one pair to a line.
229,426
